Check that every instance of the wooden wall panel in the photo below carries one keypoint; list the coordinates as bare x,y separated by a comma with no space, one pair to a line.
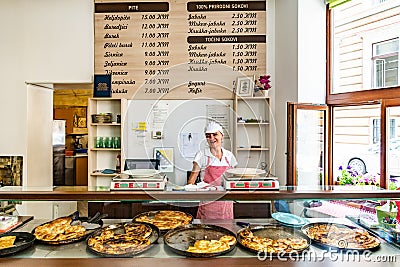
179,49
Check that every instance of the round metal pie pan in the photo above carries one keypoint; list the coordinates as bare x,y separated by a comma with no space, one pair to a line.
71,240
274,232
179,239
119,228
22,241
342,244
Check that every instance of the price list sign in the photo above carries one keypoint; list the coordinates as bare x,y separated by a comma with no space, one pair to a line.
179,49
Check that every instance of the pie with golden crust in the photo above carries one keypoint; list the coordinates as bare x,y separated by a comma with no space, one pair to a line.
123,239
59,230
212,246
265,244
7,241
341,236
166,219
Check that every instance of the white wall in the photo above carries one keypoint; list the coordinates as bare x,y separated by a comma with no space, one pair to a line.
43,41
286,60
184,116
52,41
39,126
311,51
299,63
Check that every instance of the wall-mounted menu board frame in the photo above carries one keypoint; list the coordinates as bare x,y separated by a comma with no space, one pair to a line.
176,49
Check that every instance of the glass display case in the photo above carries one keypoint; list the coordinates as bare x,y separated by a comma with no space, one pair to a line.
330,204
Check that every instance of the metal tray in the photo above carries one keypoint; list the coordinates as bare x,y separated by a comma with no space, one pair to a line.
180,238
94,226
153,238
23,241
152,214
273,232
244,173
342,244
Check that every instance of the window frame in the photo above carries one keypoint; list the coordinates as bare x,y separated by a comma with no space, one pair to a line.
385,96
376,130
383,58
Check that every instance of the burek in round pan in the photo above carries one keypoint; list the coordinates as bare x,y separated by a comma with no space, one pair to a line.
180,239
72,220
340,236
23,240
123,239
165,220
273,240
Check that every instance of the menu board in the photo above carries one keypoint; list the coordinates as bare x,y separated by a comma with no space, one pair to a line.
179,49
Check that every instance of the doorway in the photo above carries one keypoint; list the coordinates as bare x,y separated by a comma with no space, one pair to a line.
70,103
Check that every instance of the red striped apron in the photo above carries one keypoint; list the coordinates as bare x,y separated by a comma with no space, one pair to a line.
215,209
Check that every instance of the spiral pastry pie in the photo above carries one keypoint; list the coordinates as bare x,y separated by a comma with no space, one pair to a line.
59,230
166,219
121,239
342,236
264,244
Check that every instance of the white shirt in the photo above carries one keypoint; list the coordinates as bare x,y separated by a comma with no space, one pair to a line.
201,158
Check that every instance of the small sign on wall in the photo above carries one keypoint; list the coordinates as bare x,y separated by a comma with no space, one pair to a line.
166,157
102,85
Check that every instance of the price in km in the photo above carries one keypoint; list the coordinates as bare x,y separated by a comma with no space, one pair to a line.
156,81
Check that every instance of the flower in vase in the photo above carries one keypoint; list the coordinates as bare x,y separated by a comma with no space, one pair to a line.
265,82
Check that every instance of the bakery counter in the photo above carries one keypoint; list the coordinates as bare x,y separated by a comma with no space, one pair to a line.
76,253
74,193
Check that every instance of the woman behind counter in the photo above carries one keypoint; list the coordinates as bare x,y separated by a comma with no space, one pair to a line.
213,162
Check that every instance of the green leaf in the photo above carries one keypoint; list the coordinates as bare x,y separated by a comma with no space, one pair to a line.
335,3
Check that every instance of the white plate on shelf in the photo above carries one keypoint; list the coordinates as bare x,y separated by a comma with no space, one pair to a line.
141,172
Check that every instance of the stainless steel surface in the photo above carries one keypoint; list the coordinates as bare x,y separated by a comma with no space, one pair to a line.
78,250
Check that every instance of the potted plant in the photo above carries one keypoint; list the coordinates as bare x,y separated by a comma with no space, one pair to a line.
263,84
350,177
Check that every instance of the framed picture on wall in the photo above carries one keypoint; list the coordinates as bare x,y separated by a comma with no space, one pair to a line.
244,86
165,155
102,85
11,170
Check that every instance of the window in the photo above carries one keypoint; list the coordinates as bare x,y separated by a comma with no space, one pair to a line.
361,32
363,86
376,130
386,63
353,143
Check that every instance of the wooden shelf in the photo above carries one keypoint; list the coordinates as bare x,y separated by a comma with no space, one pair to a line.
253,123
105,99
106,124
103,174
105,149
256,131
252,97
252,149
105,157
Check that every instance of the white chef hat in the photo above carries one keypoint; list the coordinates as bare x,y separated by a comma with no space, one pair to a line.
214,127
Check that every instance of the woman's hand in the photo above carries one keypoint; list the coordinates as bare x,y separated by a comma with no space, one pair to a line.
193,177
195,172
